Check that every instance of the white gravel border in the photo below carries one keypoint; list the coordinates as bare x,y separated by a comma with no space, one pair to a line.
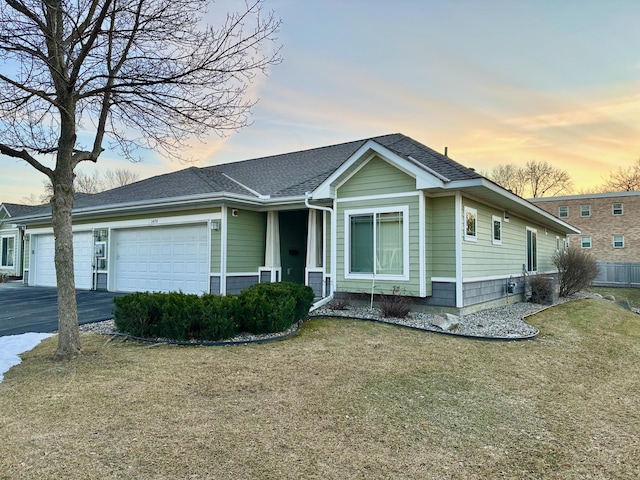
500,323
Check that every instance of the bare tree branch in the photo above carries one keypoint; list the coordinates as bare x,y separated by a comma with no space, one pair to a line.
536,178
144,73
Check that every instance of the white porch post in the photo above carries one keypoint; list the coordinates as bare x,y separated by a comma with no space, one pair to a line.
272,248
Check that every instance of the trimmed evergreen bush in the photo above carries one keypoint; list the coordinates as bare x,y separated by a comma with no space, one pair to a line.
263,308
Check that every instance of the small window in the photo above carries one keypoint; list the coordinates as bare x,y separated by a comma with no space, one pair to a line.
532,250
563,211
470,224
585,210
8,252
496,222
558,244
618,241
586,242
617,208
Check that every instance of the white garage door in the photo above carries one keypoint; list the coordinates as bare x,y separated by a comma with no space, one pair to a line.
44,266
162,259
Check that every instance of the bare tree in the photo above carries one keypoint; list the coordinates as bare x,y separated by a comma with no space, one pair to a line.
510,177
118,178
624,179
544,179
537,178
94,183
142,73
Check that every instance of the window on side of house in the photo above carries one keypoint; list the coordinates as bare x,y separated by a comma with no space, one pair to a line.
496,230
585,210
8,251
532,250
617,208
470,224
585,242
618,241
563,211
377,243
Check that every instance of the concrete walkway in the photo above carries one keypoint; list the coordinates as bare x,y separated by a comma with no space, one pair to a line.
35,309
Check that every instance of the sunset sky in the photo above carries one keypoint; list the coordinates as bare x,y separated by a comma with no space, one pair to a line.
494,81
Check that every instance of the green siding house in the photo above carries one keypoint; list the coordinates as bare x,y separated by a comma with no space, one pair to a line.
367,216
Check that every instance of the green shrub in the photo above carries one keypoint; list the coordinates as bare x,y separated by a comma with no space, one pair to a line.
137,314
218,319
273,307
541,290
577,268
263,308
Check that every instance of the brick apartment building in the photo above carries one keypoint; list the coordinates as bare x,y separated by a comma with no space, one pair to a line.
609,223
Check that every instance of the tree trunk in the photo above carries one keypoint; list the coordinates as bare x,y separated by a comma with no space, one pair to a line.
61,207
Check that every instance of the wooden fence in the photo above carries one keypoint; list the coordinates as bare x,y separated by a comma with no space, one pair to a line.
618,274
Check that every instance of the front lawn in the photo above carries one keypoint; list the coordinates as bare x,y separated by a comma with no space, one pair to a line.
342,399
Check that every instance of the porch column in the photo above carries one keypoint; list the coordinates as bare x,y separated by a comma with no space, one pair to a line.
272,249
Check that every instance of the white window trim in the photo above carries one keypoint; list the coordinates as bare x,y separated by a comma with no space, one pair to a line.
613,209
469,238
15,242
613,241
582,242
404,209
526,249
494,218
563,216
589,212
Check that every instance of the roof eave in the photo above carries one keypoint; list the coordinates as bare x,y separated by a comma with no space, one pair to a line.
514,203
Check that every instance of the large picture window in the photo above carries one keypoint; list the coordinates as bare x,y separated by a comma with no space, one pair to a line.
8,251
377,243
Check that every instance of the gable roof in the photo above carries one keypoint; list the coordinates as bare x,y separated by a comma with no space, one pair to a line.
18,210
286,178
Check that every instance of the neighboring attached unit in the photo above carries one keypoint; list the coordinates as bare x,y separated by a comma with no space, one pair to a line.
354,218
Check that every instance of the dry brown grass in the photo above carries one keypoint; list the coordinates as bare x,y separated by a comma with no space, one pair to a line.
343,399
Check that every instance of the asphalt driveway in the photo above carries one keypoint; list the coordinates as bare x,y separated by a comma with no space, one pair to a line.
35,309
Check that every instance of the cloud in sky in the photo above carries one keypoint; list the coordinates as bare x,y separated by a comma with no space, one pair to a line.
497,82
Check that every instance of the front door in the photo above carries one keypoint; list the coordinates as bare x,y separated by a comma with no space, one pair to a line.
293,244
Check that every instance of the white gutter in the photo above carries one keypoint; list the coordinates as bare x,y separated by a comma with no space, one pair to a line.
494,187
184,201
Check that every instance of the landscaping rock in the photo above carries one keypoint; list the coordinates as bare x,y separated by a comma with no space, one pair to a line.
610,298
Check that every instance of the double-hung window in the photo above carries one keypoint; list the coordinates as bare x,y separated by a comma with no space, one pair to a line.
8,251
585,242
617,209
377,243
563,211
585,210
618,241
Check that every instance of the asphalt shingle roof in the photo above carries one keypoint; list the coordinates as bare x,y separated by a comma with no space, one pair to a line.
18,210
284,175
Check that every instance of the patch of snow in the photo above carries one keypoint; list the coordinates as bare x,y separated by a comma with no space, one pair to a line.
12,346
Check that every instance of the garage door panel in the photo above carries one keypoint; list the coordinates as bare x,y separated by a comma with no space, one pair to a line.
44,265
162,259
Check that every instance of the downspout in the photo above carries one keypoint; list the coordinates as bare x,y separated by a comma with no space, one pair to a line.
458,245
307,196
